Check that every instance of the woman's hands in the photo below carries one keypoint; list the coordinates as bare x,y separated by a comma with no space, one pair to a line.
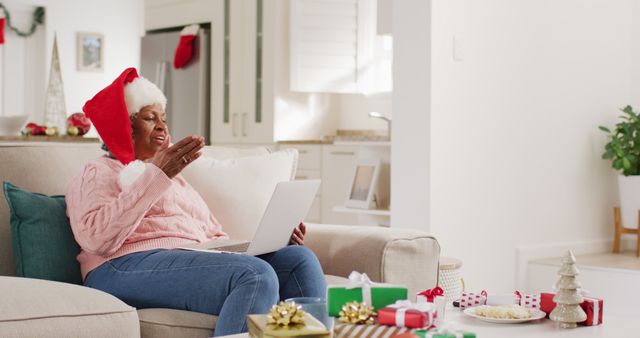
297,237
172,159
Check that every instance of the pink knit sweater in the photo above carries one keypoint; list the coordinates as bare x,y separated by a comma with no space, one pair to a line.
109,221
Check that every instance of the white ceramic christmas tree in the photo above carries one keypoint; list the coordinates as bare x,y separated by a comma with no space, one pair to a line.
568,311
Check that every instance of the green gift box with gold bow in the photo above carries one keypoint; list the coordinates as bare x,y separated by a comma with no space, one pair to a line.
362,289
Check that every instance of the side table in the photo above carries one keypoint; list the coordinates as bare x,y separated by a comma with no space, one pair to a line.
450,278
612,326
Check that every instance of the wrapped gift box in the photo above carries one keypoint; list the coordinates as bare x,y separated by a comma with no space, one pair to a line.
312,328
437,297
367,331
381,296
591,306
407,314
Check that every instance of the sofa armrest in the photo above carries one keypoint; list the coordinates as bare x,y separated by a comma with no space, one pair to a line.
389,255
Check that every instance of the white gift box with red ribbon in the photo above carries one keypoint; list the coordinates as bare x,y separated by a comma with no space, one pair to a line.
435,296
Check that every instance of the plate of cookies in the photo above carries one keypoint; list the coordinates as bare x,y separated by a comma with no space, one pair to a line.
504,314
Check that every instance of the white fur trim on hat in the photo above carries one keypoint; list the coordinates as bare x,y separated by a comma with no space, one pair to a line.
130,173
141,92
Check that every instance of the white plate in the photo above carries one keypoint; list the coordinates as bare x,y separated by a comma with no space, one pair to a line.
535,315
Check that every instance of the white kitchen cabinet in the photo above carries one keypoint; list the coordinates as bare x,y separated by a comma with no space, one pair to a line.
250,98
338,163
335,165
335,49
244,115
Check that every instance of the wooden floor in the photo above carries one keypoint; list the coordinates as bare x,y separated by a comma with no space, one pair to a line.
622,261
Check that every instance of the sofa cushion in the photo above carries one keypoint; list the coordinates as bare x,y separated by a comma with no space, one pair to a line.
175,323
238,190
38,308
43,244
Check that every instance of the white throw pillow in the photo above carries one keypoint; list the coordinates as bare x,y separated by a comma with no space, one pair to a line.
238,190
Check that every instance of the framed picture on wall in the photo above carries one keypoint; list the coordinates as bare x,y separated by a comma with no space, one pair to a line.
90,52
363,184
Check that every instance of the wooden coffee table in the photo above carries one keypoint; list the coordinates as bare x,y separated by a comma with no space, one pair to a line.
613,327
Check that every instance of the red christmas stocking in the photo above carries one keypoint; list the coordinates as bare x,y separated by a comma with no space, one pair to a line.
184,51
2,20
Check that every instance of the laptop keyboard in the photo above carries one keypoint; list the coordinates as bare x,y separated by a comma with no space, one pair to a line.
242,247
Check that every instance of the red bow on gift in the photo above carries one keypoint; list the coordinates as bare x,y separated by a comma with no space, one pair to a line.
430,294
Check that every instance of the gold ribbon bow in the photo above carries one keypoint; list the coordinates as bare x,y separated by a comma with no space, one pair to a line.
285,314
357,313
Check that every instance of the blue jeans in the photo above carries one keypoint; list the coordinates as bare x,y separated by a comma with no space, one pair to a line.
223,284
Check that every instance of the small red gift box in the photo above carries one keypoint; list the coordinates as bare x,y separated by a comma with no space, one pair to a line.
406,314
591,306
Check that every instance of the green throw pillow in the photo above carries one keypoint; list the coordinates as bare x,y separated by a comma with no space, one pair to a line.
43,244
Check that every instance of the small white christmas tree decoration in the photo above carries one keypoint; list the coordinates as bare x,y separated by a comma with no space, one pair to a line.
568,311
55,111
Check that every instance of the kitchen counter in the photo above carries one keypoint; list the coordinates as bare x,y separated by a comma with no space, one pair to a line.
327,141
348,137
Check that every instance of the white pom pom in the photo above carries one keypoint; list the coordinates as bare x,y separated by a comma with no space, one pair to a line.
131,172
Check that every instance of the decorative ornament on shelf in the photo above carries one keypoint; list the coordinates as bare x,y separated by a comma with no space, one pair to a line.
55,114
568,311
357,313
285,314
34,129
78,124
52,131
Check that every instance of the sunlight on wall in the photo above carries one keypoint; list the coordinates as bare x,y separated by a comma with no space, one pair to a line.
308,117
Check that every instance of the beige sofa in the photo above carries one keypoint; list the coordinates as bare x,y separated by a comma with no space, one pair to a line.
39,308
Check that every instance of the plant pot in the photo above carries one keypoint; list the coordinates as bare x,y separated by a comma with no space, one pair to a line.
629,192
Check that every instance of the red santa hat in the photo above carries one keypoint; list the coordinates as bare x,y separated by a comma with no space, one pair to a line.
184,50
110,111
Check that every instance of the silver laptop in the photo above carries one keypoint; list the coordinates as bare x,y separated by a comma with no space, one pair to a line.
287,207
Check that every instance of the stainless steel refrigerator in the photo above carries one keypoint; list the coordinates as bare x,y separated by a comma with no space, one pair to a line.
187,89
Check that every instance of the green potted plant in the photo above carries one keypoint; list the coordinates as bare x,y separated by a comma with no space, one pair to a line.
623,150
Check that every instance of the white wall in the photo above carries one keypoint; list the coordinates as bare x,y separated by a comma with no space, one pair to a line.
298,116
121,22
410,155
515,149
22,67
353,111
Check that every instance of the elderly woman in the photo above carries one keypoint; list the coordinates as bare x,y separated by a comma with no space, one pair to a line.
129,220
